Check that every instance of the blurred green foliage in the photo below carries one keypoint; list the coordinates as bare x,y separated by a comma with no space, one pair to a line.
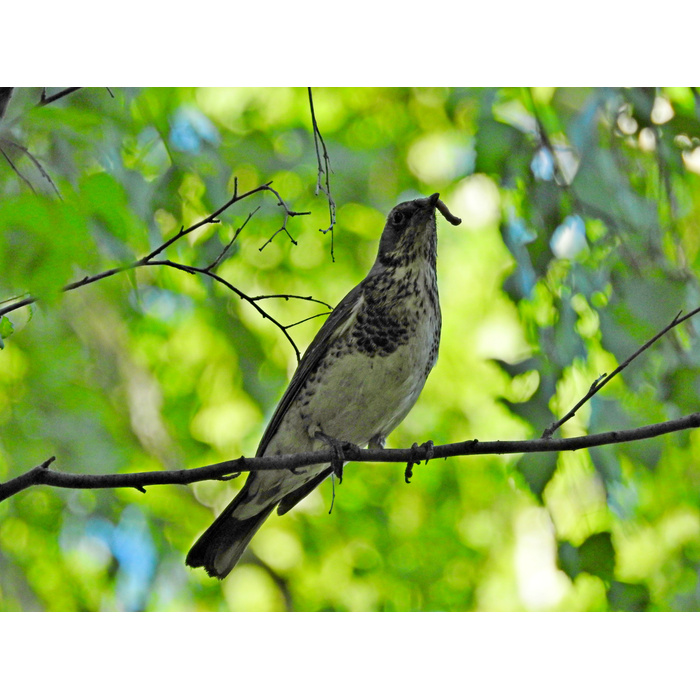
580,241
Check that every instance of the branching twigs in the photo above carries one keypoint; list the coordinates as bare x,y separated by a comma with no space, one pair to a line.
601,381
287,214
5,94
227,247
46,100
43,101
207,272
324,173
149,260
222,471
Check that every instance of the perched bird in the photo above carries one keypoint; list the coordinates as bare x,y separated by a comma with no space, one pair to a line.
356,382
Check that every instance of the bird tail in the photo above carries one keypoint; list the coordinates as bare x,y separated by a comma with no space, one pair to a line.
222,544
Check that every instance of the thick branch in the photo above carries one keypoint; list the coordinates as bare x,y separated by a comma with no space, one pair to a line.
224,470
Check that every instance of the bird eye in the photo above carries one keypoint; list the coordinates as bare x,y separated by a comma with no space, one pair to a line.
397,218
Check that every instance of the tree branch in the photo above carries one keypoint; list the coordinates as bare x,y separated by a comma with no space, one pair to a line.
287,213
149,261
601,381
48,100
225,470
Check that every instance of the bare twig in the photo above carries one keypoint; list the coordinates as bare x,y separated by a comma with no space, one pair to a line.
287,297
52,98
304,320
324,173
223,470
601,381
241,295
287,214
150,261
37,165
227,247
17,172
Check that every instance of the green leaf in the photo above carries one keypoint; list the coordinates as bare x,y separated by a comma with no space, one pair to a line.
538,469
630,597
6,327
568,560
597,556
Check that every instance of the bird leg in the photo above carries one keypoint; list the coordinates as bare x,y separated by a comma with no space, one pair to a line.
377,442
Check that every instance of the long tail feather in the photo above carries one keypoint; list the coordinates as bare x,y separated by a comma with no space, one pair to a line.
222,544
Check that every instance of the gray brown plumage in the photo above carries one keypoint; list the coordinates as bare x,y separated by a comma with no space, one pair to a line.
359,378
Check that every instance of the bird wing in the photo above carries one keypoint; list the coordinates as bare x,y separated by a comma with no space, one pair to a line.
336,325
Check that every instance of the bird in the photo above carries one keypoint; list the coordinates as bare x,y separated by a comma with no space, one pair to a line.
357,380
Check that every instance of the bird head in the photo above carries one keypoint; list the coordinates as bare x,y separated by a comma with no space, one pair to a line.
410,232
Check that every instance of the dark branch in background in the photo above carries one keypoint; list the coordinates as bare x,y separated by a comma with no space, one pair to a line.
47,100
150,261
599,383
545,142
5,95
224,470
324,173
8,142
14,167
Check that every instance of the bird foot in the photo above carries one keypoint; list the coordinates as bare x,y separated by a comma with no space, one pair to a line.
415,458
338,447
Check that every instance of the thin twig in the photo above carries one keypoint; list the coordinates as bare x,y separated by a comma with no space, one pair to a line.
242,295
48,100
599,383
287,297
149,260
308,318
17,172
324,173
36,163
223,470
227,247
287,214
